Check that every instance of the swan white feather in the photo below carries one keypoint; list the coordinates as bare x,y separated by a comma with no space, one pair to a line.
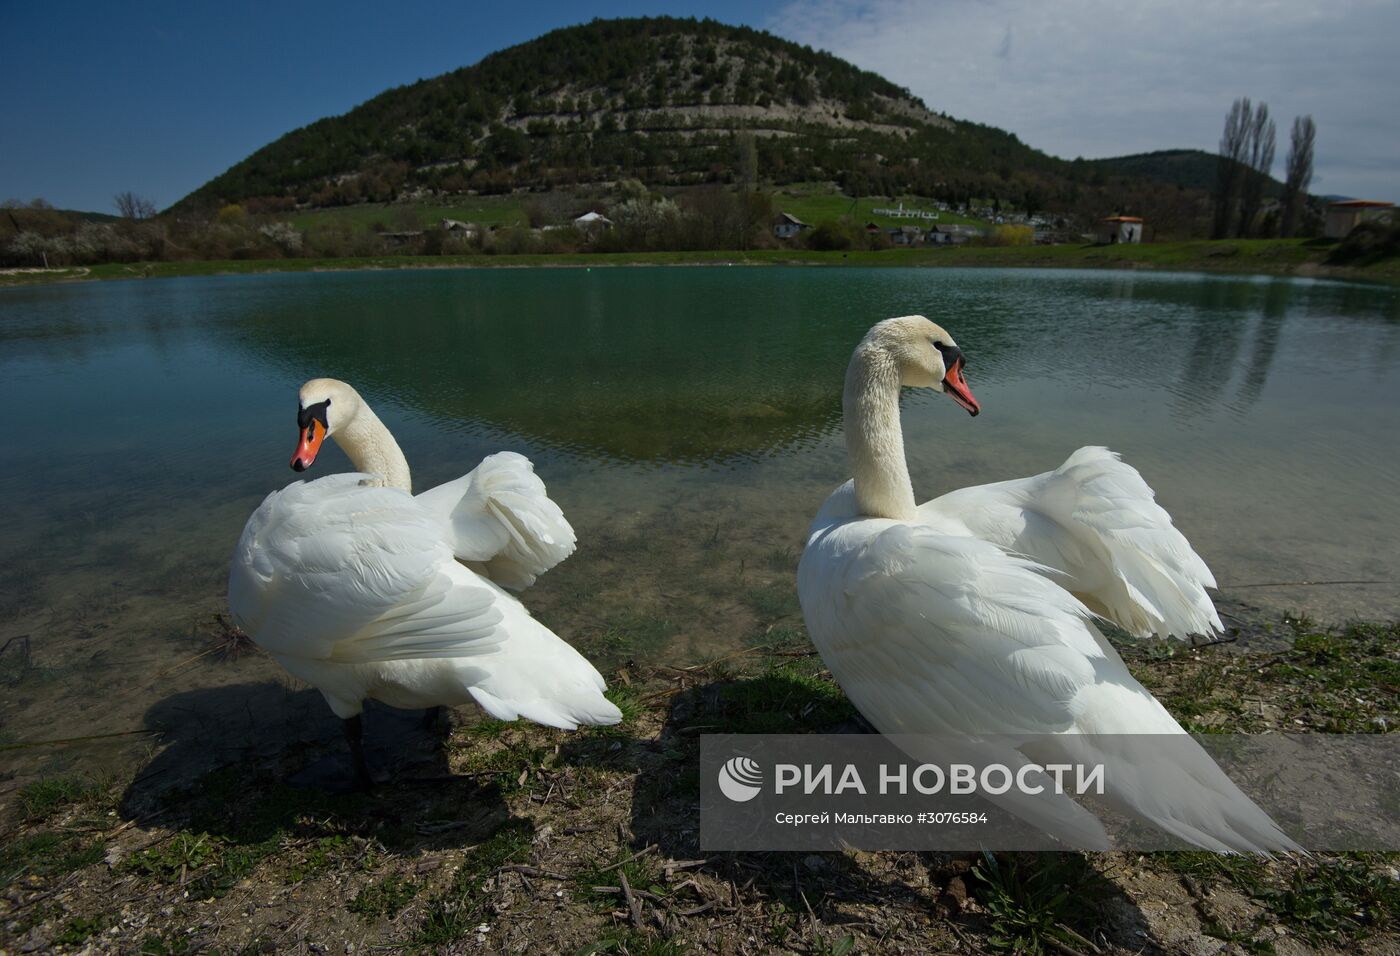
353,584
942,620
1096,520
503,520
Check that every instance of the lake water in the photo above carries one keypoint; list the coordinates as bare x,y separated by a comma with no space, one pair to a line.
687,420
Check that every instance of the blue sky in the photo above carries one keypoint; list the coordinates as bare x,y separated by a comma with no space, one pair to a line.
159,97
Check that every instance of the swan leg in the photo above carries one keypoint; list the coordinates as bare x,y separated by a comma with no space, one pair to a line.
354,737
432,718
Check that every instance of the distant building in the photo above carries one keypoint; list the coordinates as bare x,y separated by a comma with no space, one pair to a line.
1343,217
906,235
952,234
1115,229
591,221
787,225
457,225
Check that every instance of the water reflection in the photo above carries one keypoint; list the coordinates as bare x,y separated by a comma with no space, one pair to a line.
686,419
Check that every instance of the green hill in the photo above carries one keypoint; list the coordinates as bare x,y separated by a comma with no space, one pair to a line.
672,102
1189,168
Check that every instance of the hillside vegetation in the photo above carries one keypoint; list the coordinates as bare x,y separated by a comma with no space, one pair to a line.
1188,168
672,103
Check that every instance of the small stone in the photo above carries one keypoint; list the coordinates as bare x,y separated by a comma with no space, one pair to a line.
956,894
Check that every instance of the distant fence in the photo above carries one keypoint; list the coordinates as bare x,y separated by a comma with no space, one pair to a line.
902,213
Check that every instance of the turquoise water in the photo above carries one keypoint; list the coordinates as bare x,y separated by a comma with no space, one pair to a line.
688,421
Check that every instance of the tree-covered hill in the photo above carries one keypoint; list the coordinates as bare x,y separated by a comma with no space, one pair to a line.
672,102
1189,168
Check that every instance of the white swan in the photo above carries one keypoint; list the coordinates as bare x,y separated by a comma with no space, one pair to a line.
354,585
956,617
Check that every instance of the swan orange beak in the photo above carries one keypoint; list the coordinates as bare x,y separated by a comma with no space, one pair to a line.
956,387
309,445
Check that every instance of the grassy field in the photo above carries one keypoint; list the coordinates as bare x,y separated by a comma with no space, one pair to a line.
813,206
483,210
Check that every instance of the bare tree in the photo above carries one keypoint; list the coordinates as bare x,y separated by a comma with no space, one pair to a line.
1260,160
131,206
1300,169
1234,146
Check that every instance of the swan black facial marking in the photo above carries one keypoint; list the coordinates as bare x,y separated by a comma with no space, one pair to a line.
317,412
951,354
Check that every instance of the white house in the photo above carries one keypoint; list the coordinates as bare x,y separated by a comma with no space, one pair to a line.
952,234
1113,229
592,220
1343,217
787,225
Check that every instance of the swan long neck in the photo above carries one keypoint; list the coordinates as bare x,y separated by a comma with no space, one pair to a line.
874,439
371,448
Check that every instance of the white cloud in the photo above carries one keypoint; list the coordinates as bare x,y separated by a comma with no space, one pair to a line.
1104,78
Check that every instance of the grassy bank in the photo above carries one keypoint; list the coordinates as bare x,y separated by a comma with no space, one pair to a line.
515,838
1252,256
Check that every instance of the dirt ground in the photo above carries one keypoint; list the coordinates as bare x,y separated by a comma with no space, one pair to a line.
510,838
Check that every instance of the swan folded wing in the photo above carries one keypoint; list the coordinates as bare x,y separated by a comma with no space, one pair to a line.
947,635
968,648
952,634
1095,519
335,570
503,520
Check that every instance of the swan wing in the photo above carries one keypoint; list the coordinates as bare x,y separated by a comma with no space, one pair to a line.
502,520
1096,520
929,632
336,570
932,633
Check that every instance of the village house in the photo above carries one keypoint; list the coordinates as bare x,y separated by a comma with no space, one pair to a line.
952,234
591,222
786,225
459,227
906,235
1344,216
1115,229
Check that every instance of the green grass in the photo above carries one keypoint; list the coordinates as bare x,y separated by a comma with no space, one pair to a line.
383,899
46,854
44,798
813,205
1323,901
1340,680
643,873
1030,902
453,912
79,930
791,697
482,210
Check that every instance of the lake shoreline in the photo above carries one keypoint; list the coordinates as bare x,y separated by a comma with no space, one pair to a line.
534,839
1282,258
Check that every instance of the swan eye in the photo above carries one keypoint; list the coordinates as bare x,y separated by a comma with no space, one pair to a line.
316,412
950,353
